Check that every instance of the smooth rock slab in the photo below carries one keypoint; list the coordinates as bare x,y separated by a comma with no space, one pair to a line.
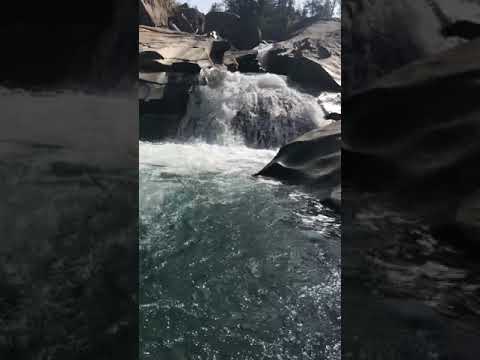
313,159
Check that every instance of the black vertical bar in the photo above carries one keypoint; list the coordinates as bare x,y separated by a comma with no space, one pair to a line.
69,180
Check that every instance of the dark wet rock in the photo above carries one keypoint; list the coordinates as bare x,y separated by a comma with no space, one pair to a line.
333,116
418,127
170,62
264,130
217,53
313,159
242,33
311,56
187,19
145,56
230,62
381,36
163,102
463,28
246,60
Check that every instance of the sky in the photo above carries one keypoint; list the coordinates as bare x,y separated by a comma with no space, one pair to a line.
202,5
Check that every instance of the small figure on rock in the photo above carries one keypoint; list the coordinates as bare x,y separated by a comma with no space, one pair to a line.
213,34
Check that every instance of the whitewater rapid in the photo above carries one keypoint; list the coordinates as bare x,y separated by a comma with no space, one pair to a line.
257,110
233,266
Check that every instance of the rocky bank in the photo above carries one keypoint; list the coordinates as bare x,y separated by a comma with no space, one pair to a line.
313,159
311,56
171,60
417,125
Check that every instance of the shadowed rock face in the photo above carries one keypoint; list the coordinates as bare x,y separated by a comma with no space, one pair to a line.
463,28
245,61
311,56
170,62
313,159
381,36
419,125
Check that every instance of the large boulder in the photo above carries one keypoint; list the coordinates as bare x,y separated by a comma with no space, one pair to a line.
242,33
245,61
312,160
187,19
311,56
172,48
418,125
170,62
383,35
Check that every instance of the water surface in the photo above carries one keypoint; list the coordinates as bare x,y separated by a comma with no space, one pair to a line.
233,267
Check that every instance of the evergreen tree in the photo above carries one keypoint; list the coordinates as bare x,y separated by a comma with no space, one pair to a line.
276,17
216,7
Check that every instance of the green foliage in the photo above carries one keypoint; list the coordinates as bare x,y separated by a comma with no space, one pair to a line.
321,8
216,6
244,8
276,17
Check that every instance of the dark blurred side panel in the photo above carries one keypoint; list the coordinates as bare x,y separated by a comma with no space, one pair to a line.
410,178
69,180
54,45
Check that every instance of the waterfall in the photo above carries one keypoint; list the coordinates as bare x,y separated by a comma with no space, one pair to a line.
228,258
257,110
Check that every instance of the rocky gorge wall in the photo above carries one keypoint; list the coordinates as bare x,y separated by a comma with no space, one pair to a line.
381,35
170,62
181,71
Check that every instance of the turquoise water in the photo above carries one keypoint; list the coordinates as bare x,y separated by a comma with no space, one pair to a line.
233,267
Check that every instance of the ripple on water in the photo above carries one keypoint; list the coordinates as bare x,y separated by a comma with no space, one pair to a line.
233,267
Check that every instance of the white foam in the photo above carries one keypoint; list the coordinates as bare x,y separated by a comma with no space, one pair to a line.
267,100
197,158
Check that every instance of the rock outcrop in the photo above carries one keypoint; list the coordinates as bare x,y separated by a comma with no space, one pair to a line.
170,62
187,19
313,160
244,34
245,61
383,35
311,56
418,125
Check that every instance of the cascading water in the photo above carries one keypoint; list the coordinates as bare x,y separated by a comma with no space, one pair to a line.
234,267
258,110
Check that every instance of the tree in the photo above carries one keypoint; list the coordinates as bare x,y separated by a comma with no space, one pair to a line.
245,8
276,18
216,7
321,8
